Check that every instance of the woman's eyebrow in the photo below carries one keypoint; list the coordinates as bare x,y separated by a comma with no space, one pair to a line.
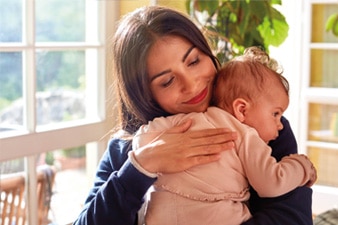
159,74
187,53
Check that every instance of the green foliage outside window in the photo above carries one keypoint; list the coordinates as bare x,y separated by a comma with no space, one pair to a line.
56,21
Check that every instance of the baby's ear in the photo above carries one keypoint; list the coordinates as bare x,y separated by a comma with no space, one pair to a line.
240,107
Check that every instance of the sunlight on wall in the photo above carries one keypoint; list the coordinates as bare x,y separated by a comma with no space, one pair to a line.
130,5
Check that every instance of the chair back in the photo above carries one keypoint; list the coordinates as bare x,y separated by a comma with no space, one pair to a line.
12,200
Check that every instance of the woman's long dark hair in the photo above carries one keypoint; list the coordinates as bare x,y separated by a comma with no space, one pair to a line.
135,35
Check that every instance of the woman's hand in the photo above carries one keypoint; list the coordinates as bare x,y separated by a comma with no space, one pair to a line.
178,149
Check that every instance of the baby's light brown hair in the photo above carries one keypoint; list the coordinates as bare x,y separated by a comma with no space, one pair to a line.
246,77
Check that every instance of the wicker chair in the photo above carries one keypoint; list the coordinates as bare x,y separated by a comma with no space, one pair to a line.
12,201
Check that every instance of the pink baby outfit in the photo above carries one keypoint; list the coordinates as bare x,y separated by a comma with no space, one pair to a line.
216,193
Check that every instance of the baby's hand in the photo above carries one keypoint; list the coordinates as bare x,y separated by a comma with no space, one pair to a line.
313,174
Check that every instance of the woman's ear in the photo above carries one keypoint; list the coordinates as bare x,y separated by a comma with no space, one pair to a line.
240,107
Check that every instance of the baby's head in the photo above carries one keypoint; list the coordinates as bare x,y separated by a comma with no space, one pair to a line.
251,87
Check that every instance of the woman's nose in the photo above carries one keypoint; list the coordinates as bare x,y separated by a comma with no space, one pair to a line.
188,83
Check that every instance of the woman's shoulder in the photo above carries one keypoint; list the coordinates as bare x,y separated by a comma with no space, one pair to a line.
117,150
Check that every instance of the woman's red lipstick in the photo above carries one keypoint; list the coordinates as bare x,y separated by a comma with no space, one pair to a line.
199,97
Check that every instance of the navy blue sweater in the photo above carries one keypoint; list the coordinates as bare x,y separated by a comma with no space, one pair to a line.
119,188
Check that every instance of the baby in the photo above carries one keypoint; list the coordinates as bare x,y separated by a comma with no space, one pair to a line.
250,97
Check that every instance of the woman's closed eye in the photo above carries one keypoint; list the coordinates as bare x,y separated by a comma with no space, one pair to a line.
168,82
194,62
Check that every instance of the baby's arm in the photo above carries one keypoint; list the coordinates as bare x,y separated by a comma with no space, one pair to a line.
269,177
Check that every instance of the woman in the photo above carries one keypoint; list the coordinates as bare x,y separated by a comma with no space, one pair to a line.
163,66
221,188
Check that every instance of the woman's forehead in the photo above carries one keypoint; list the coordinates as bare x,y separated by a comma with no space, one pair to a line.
165,51
168,41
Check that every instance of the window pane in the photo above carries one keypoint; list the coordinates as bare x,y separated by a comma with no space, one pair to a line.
70,184
11,107
60,86
61,178
323,126
60,20
323,123
12,191
320,15
324,68
325,161
10,21
12,166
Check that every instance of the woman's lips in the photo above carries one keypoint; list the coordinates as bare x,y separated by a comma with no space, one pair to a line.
198,98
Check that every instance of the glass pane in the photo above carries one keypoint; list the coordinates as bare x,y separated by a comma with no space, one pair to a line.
61,178
10,21
323,126
60,20
320,15
325,161
11,104
324,68
71,183
12,191
60,86
323,123
12,166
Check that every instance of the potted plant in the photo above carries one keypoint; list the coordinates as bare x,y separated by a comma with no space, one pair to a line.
233,25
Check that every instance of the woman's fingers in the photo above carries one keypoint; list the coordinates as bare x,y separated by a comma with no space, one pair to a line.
203,138
175,152
178,149
183,127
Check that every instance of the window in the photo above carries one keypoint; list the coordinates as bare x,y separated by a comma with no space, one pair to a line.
319,101
53,88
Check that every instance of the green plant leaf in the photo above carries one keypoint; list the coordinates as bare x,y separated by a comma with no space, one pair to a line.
244,18
274,34
259,10
330,21
238,24
332,24
276,2
210,6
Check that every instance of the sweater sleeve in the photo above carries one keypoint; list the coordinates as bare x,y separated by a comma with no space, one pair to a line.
295,207
267,176
118,190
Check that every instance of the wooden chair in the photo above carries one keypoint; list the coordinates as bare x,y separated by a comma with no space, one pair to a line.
12,201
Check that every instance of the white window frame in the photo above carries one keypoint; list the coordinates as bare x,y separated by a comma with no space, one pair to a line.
324,197
93,132
294,56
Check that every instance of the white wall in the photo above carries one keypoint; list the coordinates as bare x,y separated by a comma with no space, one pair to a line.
289,56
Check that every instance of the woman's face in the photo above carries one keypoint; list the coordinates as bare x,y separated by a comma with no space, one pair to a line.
181,76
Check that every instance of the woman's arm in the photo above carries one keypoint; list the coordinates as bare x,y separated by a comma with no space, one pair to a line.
178,149
118,190
119,187
293,208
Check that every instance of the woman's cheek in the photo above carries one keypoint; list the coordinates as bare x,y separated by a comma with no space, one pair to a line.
166,99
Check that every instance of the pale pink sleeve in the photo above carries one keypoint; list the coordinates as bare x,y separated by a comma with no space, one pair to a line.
267,176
